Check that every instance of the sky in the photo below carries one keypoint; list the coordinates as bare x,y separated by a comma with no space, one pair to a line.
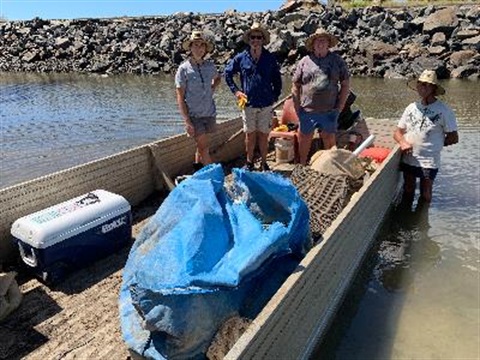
72,9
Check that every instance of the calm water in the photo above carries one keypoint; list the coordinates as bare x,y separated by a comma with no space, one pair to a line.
52,122
419,295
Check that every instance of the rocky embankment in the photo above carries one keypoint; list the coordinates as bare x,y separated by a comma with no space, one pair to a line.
375,41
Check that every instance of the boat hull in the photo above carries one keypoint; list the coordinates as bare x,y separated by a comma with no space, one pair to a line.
81,318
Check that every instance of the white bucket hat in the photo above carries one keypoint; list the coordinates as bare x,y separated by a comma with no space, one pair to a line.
197,35
320,32
430,77
257,28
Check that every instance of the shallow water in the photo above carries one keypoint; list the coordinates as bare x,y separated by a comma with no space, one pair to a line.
50,122
417,298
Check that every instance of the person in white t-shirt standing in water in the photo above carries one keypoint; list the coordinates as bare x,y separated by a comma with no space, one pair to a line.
425,127
196,80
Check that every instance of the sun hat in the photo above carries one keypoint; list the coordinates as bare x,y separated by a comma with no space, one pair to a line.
258,28
197,35
320,32
430,77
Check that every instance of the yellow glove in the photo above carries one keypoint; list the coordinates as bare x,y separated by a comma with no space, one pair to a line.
241,102
281,128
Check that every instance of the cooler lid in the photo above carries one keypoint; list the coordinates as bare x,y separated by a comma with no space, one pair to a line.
58,222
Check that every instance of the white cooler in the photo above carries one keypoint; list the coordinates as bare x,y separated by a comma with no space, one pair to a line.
72,234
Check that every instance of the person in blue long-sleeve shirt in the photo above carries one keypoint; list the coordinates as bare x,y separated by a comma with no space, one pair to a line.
260,85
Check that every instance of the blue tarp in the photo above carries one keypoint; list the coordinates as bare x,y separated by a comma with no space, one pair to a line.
210,252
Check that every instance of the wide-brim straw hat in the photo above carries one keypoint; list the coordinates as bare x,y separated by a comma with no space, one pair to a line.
195,36
320,32
430,77
256,27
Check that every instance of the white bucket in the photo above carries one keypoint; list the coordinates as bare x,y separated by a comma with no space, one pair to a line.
284,150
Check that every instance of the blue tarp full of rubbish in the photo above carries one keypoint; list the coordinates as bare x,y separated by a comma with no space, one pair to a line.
214,249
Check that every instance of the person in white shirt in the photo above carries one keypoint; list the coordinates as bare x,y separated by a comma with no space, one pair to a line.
425,127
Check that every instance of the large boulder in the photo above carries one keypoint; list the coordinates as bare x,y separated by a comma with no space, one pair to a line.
473,15
413,50
378,50
423,62
472,43
464,71
467,33
438,39
444,20
293,5
461,57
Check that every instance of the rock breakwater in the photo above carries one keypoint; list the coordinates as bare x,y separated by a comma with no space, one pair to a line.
375,41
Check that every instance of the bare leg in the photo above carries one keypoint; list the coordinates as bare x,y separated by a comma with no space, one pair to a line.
426,186
329,140
304,143
263,145
250,143
409,183
203,149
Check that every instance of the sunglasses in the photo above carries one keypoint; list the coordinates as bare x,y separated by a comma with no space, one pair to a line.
256,37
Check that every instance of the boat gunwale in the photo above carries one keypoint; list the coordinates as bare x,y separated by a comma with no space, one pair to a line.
257,339
133,173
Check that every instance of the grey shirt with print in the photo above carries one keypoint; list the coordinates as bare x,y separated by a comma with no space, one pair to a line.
319,79
197,82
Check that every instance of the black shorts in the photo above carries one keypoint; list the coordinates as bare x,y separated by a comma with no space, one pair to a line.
419,172
204,125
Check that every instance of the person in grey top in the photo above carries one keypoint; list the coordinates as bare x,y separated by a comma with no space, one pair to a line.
321,84
195,81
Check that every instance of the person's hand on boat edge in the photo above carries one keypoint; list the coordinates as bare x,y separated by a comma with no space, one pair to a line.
408,150
405,146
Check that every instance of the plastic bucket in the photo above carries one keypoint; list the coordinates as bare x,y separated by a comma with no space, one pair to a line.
284,150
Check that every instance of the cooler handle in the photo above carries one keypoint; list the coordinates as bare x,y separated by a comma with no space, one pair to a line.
30,260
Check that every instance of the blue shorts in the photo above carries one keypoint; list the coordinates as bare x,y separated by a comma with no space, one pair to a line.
327,122
419,172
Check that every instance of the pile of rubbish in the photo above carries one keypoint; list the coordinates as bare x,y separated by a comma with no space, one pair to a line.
216,249
333,176
327,185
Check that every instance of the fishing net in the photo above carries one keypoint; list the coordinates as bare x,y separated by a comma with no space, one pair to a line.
326,195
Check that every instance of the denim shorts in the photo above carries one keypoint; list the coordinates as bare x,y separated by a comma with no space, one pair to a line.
327,121
419,172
